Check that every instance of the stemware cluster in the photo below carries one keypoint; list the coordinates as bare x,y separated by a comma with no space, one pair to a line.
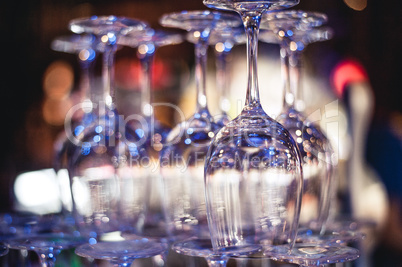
228,188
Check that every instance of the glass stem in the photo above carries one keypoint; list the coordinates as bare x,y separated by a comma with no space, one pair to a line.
146,61
295,65
108,75
252,24
201,49
86,79
288,97
222,81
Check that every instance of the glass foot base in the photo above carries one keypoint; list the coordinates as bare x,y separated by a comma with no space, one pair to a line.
203,248
312,254
121,250
330,237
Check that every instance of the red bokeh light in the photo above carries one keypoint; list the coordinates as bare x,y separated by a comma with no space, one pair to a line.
128,74
346,72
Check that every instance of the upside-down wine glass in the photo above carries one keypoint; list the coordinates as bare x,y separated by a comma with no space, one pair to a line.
182,158
83,47
80,115
146,43
253,173
294,30
107,177
290,27
121,253
333,230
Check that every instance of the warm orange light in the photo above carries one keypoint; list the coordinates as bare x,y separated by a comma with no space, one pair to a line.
356,4
54,111
58,80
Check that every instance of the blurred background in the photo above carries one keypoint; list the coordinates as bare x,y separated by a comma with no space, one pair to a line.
38,85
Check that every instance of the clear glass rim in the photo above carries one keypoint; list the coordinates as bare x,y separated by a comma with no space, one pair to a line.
195,20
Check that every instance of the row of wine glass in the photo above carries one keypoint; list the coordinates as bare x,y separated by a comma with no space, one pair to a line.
241,185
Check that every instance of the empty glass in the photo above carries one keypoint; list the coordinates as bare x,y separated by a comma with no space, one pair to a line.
83,46
316,152
146,43
294,30
182,158
253,174
108,165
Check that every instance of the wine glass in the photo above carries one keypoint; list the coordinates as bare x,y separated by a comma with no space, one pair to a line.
294,30
253,173
121,253
85,47
316,152
203,248
108,165
146,43
182,158
47,245
80,115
